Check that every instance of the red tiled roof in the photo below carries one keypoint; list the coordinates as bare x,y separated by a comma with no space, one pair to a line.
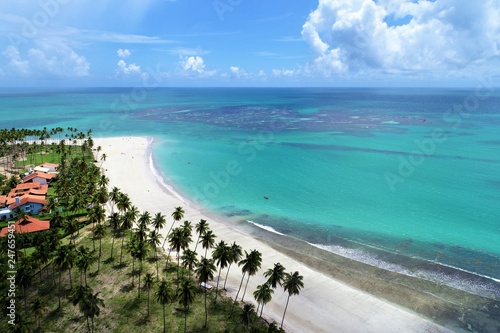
27,199
31,224
33,188
32,176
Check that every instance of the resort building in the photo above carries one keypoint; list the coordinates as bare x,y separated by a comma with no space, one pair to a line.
28,224
39,177
29,203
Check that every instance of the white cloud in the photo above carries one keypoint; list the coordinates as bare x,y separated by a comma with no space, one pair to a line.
286,72
123,53
434,36
193,63
186,51
48,60
237,72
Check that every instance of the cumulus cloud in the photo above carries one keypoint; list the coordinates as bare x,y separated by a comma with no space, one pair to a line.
123,53
237,72
286,72
48,59
127,70
193,63
404,36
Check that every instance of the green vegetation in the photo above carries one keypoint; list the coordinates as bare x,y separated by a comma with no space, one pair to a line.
71,279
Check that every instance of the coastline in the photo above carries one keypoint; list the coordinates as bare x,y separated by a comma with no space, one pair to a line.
324,305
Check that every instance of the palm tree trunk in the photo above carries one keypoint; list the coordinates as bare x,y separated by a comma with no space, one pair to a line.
99,260
140,269
70,280
88,326
282,320
236,298
59,293
185,319
246,285
178,268
148,302
164,324
197,242
227,274
261,309
156,259
121,250
92,324
206,309
217,287
133,270
112,243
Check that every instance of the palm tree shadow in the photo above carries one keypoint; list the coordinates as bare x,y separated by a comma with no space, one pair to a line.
144,320
120,266
126,288
109,260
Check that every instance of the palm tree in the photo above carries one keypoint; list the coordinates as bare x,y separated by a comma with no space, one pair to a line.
208,240
177,241
148,284
177,215
222,256
293,283
84,258
99,232
154,241
24,278
185,295
263,295
247,314
159,222
63,259
141,252
189,260
164,295
113,197
114,221
275,275
236,253
37,310
205,271
91,306
201,228
123,202
273,328
251,264
127,222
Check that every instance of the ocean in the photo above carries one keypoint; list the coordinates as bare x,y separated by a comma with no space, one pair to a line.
403,179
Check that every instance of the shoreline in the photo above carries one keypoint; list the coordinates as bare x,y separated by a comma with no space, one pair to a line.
331,304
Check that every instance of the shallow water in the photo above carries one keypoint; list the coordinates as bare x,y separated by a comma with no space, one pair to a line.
378,175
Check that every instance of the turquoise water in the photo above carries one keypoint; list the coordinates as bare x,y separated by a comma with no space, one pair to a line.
379,175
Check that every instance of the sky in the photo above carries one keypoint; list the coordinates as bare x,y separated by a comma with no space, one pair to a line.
68,43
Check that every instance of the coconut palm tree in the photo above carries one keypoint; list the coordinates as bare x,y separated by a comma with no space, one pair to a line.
205,271
263,295
148,284
141,252
114,221
201,227
292,283
177,240
159,221
189,260
127,222
91,306
99,232
208,240
185,295
247,314
235,253
275,275
84,259
164,295
63,260
154,241
123,202
222,256
24,278
273,328
113,197
250,264
37,309
177,215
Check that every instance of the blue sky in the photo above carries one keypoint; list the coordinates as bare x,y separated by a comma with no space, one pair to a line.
249,42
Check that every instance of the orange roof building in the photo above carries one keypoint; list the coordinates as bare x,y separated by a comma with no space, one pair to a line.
29,224
38,177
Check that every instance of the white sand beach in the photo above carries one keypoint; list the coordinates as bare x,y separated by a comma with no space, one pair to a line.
324,305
